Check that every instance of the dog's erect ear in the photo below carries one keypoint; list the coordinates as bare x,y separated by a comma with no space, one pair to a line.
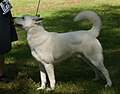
39,20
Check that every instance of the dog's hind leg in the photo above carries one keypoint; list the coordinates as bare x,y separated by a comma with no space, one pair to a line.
91,65
97,61
50,72
42,76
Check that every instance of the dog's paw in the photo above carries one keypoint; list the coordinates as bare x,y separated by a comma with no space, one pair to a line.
108,85
41,88
49,89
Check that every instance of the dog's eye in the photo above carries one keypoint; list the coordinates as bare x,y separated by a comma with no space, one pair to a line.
23,18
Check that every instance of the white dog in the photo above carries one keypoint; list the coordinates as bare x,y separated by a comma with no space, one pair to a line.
50,47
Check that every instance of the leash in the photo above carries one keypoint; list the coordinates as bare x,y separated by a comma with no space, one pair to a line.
38,7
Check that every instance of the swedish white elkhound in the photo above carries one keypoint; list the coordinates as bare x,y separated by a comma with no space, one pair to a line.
51,47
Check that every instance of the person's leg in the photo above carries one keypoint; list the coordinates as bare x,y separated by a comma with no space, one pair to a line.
1,65
3,77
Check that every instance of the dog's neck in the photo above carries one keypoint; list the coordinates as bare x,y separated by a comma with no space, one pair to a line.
35,29
37,33
28,28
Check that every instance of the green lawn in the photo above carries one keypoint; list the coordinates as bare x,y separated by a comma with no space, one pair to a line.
73,75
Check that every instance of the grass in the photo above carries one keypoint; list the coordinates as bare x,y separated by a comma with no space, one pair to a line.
73,75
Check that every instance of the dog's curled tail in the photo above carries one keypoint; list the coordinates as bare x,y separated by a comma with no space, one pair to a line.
93,17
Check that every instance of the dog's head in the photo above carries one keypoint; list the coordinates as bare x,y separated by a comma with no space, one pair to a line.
27,21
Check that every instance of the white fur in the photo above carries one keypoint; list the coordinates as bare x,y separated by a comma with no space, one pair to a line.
50,47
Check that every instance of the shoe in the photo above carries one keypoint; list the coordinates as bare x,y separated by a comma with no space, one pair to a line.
4,79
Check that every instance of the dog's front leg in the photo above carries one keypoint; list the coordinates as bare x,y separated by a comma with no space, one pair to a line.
42,70
50,71
42,76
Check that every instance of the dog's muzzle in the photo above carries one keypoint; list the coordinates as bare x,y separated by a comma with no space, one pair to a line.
15,24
